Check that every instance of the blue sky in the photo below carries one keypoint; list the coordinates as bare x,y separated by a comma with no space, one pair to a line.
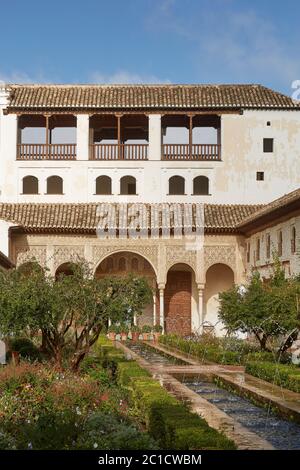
151,41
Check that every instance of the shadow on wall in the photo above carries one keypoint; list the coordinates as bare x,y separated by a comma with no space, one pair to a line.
219,278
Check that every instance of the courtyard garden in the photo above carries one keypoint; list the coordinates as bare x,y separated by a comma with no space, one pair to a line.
66,385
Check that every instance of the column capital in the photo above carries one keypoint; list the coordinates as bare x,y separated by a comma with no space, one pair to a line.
201,287
161,286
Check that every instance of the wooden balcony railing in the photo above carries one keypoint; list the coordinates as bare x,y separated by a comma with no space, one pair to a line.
119,152
46,152
200,152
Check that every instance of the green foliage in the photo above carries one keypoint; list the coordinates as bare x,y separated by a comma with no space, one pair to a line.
129,370
167,420
157,328
26,348
42,408
71,311
266,310
287,376
204,351
207,348
102,431
146,329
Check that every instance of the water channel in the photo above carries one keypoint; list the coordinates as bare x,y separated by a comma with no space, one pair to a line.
282,434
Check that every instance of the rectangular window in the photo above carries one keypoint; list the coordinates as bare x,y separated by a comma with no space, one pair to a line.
268,246
293,240
279,243
248,252
258,249
260,176
268,145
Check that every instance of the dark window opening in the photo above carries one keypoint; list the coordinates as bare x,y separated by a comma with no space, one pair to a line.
201,185
176,185
268,145
103,185
54,185
128,185
260,176
30,185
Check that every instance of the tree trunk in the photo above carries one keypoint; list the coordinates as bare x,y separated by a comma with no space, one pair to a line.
288,342
76,360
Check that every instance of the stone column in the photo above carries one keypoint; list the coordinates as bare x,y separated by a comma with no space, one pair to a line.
200,308
154,137
154,309
161,288
83,138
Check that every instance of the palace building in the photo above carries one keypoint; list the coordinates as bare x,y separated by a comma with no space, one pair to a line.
191,186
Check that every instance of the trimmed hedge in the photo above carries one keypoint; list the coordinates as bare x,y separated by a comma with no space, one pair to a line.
129,370
214,352
203,352
166,419
287,376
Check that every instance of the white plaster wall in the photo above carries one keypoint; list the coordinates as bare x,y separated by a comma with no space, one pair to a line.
4,237
290,261
233,180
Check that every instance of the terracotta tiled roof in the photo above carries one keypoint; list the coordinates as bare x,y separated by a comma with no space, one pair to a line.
275,209
147,97
83,218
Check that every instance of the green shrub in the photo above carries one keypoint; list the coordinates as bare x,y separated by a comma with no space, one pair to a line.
26,348
219,350
287,376
166,419
129,370
7,442
108,431
203,350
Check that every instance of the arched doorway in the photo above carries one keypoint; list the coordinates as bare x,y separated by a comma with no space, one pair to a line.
121,264
65,269
180,299
219,278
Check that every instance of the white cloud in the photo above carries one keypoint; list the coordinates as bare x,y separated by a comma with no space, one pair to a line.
230,42
125,77
22,77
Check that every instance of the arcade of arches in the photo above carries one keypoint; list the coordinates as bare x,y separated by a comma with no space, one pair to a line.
176,304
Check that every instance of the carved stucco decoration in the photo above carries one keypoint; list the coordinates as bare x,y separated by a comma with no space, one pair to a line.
66,254
179,254
148,252
224,254
24,254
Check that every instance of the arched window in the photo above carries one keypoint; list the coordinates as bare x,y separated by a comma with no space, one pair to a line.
176,185
135,264
30,185
122,264
128,185
103,185
110,264
54,185
201,185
